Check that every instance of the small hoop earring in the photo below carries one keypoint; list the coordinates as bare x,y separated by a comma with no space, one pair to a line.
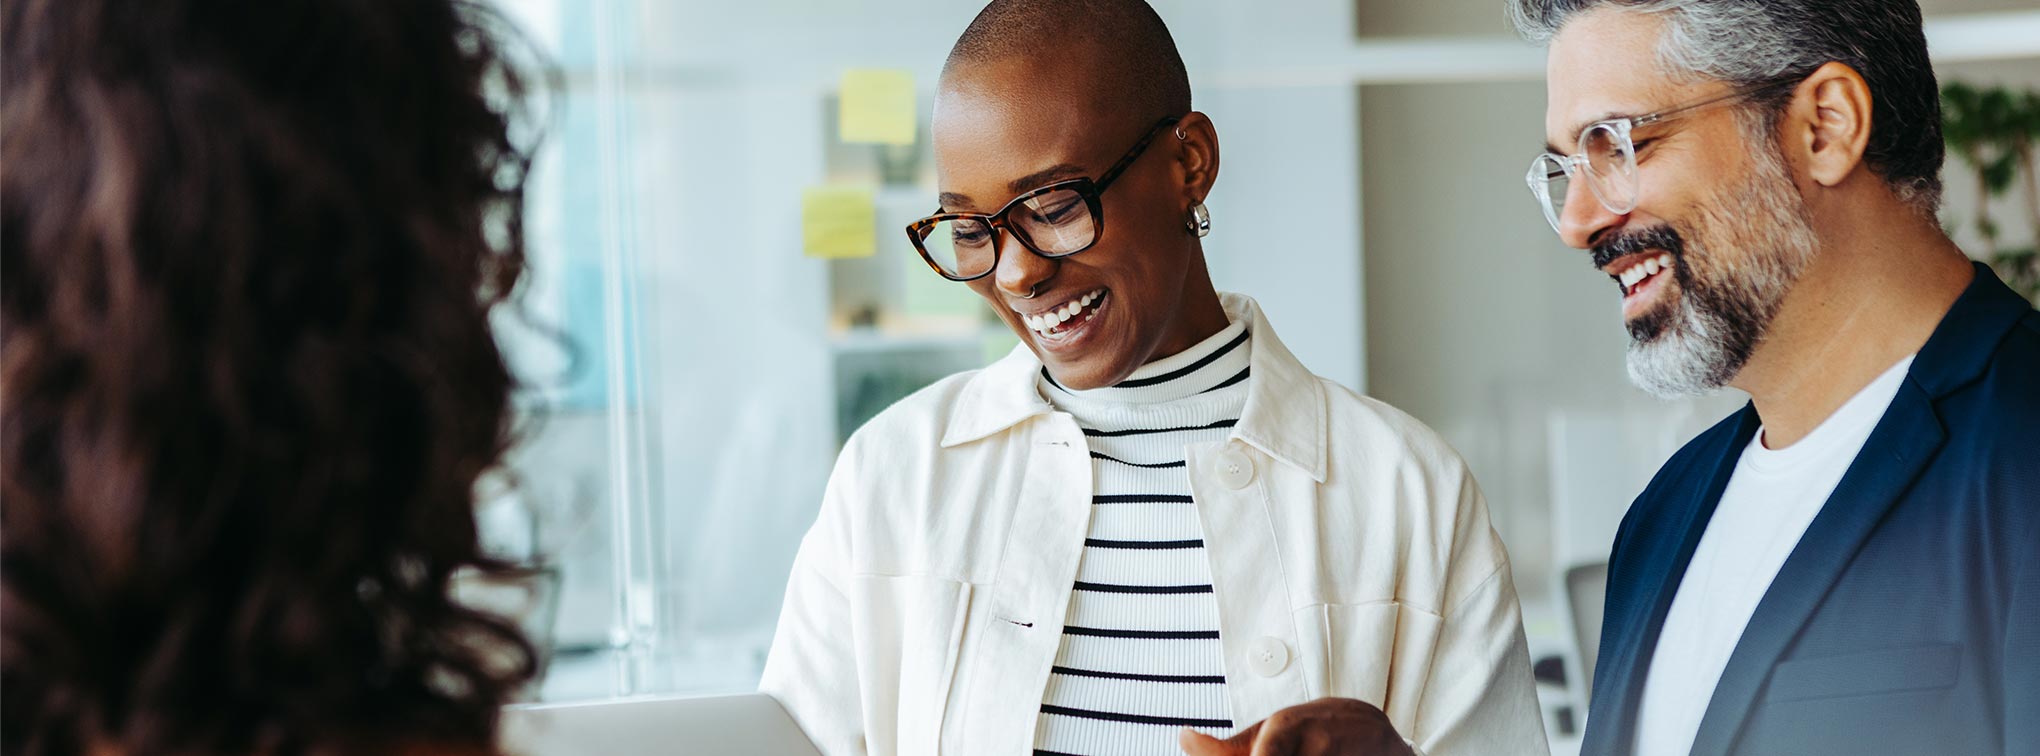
1180,136
1199,222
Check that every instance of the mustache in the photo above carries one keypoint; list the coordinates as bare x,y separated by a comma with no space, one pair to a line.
1640,240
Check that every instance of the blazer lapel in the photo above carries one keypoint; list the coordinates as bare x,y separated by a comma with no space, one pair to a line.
1892,458
1624,665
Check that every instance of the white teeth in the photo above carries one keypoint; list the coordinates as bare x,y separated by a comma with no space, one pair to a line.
1635,274
1048,321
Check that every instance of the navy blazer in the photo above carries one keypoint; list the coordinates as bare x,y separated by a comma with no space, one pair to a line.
1907,619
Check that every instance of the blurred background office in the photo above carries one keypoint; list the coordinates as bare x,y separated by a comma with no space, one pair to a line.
726,292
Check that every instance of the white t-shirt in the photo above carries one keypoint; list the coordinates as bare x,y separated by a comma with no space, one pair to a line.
1771,498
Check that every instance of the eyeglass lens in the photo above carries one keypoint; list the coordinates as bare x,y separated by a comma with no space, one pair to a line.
1611,160
1056,222
1610,165
1550,182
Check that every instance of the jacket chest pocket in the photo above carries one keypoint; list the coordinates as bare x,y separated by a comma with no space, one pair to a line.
1897,670
1886,701
1377,652
909,631
1355,647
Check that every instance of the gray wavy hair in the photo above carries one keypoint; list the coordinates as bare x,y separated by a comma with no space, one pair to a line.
1748,42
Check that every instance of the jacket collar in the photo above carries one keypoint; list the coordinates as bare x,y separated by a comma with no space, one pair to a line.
1963,344
1284,417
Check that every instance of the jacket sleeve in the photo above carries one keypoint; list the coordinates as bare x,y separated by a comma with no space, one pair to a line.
812,668
1481,698
2022,666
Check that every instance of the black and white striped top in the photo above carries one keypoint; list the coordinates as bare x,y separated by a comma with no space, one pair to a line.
1140,656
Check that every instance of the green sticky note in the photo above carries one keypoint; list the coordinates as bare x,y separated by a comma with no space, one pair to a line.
838,221
876,106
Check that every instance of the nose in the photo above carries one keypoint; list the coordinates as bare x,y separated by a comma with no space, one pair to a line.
1020,272
1584,217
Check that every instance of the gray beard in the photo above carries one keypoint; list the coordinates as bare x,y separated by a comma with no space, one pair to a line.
1691,356
1724,308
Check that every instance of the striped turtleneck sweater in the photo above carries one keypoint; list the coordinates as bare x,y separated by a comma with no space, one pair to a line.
1140,655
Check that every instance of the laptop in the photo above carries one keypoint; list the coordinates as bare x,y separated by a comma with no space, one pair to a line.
749,724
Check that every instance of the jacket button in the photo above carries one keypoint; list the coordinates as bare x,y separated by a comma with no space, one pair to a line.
1267,656
1234,470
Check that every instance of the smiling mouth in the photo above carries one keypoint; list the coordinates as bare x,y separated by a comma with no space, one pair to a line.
1066,317
1641,271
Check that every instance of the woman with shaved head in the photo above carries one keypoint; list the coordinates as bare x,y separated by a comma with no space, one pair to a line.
1149,527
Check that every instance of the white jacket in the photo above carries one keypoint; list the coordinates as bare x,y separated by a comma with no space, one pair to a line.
1350,555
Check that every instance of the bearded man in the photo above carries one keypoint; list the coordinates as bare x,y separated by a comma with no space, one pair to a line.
1851,563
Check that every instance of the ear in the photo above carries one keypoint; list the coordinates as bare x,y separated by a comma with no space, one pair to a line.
1829,120
1196,155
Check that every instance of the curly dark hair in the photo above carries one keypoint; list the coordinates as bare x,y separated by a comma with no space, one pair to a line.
248,380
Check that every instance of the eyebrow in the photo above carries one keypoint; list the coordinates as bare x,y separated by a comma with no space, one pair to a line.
1043,176
951,201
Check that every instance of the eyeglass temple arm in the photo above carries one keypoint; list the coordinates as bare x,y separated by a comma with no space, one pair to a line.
1105,179
1650,118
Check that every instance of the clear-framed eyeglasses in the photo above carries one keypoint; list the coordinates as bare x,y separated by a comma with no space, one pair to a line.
1607,158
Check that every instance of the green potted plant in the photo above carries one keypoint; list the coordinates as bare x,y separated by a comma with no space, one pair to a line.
1995,131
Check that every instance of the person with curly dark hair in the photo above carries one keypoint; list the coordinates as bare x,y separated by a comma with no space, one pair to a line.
247,376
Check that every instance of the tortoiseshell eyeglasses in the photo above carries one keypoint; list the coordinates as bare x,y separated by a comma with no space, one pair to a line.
1057,220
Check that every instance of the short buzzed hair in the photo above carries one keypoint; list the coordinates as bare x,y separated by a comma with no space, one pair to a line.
1140,64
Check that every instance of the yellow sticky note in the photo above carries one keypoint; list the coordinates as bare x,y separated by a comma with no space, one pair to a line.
838,221
876,106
